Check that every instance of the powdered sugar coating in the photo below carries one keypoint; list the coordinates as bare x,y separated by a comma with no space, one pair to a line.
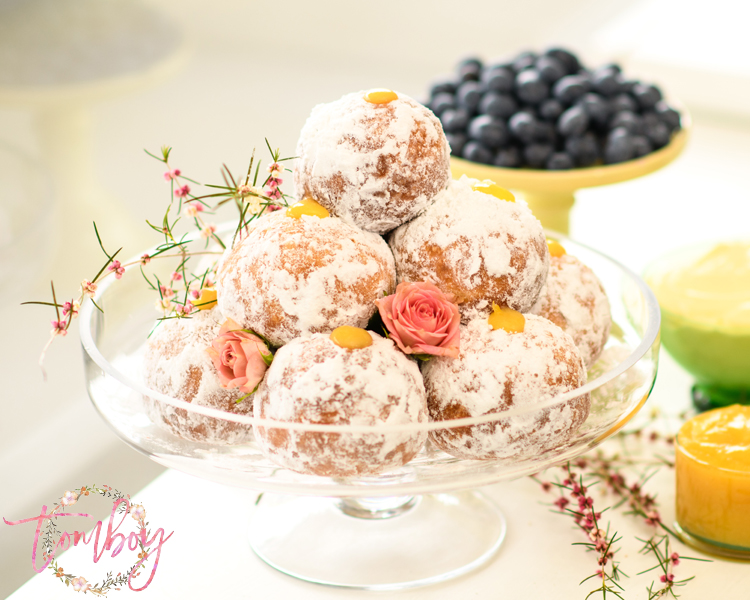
295,277
375,165
312,380
477,247
497,370
176,364
573,298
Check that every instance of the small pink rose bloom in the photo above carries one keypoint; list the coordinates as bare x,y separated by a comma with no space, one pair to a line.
421,319
241,358
69,498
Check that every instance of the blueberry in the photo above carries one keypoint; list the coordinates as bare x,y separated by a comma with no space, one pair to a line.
569,60
498,105
536,155
627,119
550,68
470,61
523,126
559,161
641,146
596,107
545,132
583,149
626,85
530,87
470,69
498,79
623,102
668,115
658,135
457,142
442,102
550,109
446,85
508,157
568,89
489,130
476,152
605,82
455,120
469,95
619,146
469,73
524,61
573,121
611,67
646,95
649,118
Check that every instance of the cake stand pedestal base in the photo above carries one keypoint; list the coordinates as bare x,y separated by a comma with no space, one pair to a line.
377,543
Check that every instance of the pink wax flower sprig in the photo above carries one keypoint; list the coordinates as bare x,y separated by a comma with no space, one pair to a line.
421,320
240,357
575,500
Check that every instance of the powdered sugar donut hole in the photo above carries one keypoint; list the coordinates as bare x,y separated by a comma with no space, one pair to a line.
312,380
496,371
573,298
477,247
294,277
177,364
375,165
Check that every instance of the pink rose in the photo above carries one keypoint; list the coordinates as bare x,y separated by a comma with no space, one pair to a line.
240,357
421,319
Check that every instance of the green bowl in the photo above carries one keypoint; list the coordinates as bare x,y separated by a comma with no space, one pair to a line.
715,350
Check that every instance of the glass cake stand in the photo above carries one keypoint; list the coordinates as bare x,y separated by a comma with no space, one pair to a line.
420,524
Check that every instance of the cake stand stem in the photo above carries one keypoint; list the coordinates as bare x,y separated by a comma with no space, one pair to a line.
377,543
551,208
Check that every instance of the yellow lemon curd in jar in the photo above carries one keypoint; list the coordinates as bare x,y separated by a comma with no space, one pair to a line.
713,476
705,305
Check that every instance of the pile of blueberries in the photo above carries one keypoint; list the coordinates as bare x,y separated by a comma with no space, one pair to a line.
547,111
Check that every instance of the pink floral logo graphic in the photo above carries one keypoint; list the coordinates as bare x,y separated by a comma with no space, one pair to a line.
53,540
421,319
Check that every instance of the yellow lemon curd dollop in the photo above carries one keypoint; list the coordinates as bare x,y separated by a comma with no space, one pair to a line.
206,300
556,249
381,96
351,338
491,188
506,318
713,476
307,206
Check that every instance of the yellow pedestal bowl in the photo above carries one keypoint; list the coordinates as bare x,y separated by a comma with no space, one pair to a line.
550,194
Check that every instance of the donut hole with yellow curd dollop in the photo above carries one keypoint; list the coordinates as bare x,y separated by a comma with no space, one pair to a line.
375,159
301,272
507,361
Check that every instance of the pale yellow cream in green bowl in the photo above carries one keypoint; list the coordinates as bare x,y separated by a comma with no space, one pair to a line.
704,295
